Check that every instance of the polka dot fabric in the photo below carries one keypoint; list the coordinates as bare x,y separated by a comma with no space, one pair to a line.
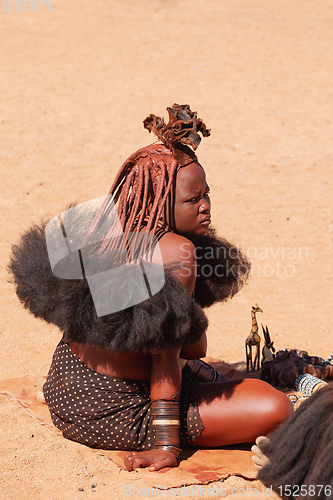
108,412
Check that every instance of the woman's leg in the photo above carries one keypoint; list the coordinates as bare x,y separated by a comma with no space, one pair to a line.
239,411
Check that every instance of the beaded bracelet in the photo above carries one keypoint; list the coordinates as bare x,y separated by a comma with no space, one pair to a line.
307,384
296,400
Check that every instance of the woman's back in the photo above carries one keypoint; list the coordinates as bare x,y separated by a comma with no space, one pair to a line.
174,250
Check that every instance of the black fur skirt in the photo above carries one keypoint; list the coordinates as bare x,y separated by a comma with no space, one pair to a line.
108,412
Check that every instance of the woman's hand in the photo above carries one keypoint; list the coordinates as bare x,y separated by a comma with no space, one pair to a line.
155,459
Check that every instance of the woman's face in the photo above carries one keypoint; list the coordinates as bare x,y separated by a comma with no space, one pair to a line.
192,204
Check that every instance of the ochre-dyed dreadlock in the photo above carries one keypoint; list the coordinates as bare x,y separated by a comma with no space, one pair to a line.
144,187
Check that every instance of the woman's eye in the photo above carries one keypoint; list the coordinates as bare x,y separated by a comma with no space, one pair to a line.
196,199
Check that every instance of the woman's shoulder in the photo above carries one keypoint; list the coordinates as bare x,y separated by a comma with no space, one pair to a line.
178,251
176,248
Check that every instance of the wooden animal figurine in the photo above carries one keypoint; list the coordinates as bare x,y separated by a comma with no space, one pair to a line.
267,356
268,350
253,340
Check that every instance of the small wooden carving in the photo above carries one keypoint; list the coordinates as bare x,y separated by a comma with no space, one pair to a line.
253,340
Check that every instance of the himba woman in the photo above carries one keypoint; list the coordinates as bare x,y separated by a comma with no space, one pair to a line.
133,380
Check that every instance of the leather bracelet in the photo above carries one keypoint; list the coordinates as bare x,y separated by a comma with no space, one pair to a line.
166,424
173,449
202,371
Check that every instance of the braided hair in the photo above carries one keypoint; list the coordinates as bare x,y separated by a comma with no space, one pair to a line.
143,191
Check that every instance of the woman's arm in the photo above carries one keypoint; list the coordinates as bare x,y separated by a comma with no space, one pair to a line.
166,364
166,377
195,351
177,249
165,385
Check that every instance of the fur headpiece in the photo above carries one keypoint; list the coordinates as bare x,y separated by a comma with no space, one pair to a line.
170,317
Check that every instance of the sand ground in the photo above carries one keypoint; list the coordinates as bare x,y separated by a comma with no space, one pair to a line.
76,83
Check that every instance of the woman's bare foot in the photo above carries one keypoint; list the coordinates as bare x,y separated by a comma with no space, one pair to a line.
259,459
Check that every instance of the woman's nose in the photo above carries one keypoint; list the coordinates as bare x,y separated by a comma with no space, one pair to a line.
204,205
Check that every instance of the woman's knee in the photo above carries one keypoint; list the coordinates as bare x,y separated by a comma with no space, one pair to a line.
248,409
282,409
276,404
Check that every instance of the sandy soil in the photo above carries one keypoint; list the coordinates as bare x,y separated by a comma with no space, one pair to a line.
76,83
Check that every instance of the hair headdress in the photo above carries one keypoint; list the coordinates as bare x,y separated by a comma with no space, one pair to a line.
181,131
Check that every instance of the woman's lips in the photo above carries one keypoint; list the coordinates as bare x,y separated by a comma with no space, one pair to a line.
206,222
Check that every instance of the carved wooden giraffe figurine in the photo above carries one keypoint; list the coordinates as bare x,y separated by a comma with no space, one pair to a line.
253,340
